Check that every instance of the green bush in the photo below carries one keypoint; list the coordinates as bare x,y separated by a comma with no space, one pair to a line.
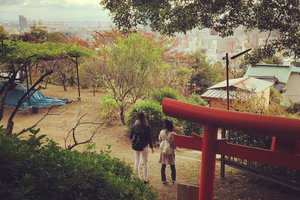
32,170
161,93
190,127
109,109
154,113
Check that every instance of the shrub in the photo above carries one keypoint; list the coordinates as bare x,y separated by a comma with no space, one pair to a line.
154,114
190,127
109,109
29,170
159,94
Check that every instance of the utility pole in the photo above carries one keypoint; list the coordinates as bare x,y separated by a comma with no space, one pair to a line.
228,103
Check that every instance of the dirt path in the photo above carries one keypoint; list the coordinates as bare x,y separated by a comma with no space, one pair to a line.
63,118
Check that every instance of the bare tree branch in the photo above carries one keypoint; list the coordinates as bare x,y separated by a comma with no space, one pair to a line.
267,40
45,115
27,129
73,131
10,122
4,90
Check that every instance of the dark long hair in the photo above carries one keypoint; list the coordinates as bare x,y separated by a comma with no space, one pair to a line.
142,117
169,124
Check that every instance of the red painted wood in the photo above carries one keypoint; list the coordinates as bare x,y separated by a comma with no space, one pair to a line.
208,163
273,144
283,144
284,151
297,148
278,158
188,142
244,152
261,124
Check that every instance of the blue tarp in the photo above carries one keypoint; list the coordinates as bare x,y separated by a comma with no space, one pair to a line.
37,99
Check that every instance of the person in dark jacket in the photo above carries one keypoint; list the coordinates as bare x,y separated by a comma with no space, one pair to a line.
140,134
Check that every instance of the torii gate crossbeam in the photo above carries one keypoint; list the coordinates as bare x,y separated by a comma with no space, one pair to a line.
284,152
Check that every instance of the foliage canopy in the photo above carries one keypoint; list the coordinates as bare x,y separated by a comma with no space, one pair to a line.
172,16
130,68
42,51
205,74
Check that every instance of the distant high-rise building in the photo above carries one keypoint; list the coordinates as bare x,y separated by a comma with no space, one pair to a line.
23,23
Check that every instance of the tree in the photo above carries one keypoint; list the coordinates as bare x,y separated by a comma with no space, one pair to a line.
170,52
170,16
205,74
273,60
65,71
130,65
176,72
79,122
90,72
28,37
107,37
3,34
173,74
41,35
79,42
57,37
69,59
19,56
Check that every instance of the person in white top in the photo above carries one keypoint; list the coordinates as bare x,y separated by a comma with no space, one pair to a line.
168,135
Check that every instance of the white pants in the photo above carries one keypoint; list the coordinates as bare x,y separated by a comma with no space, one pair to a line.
144,155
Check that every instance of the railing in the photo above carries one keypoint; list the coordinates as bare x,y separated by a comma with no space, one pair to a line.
283,176
284,152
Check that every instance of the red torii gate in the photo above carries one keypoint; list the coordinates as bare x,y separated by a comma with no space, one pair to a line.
284,152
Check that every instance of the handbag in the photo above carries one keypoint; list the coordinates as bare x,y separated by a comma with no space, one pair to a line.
165,147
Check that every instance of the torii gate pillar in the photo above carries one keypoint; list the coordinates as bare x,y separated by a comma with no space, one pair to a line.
208,163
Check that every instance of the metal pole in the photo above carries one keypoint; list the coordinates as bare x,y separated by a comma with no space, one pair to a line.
223,158
223,130
208,163
27,85
227,80
78,85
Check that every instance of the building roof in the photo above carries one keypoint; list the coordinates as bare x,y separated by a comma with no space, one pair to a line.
295,69
245,83
217,94
281,72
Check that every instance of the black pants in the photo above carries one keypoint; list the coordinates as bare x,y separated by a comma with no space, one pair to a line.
163,172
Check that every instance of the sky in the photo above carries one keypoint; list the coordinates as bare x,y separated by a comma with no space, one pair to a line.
53,10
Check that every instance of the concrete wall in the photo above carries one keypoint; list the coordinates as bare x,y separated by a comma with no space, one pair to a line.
293,88
266,95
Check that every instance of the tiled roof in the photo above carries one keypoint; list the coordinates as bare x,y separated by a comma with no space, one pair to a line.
281,72
218,94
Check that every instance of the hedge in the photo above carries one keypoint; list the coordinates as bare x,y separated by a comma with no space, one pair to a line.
30,169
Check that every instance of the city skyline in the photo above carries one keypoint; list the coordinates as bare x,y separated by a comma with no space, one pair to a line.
53,10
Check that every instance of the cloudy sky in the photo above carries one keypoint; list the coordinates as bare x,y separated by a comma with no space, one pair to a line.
53,10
